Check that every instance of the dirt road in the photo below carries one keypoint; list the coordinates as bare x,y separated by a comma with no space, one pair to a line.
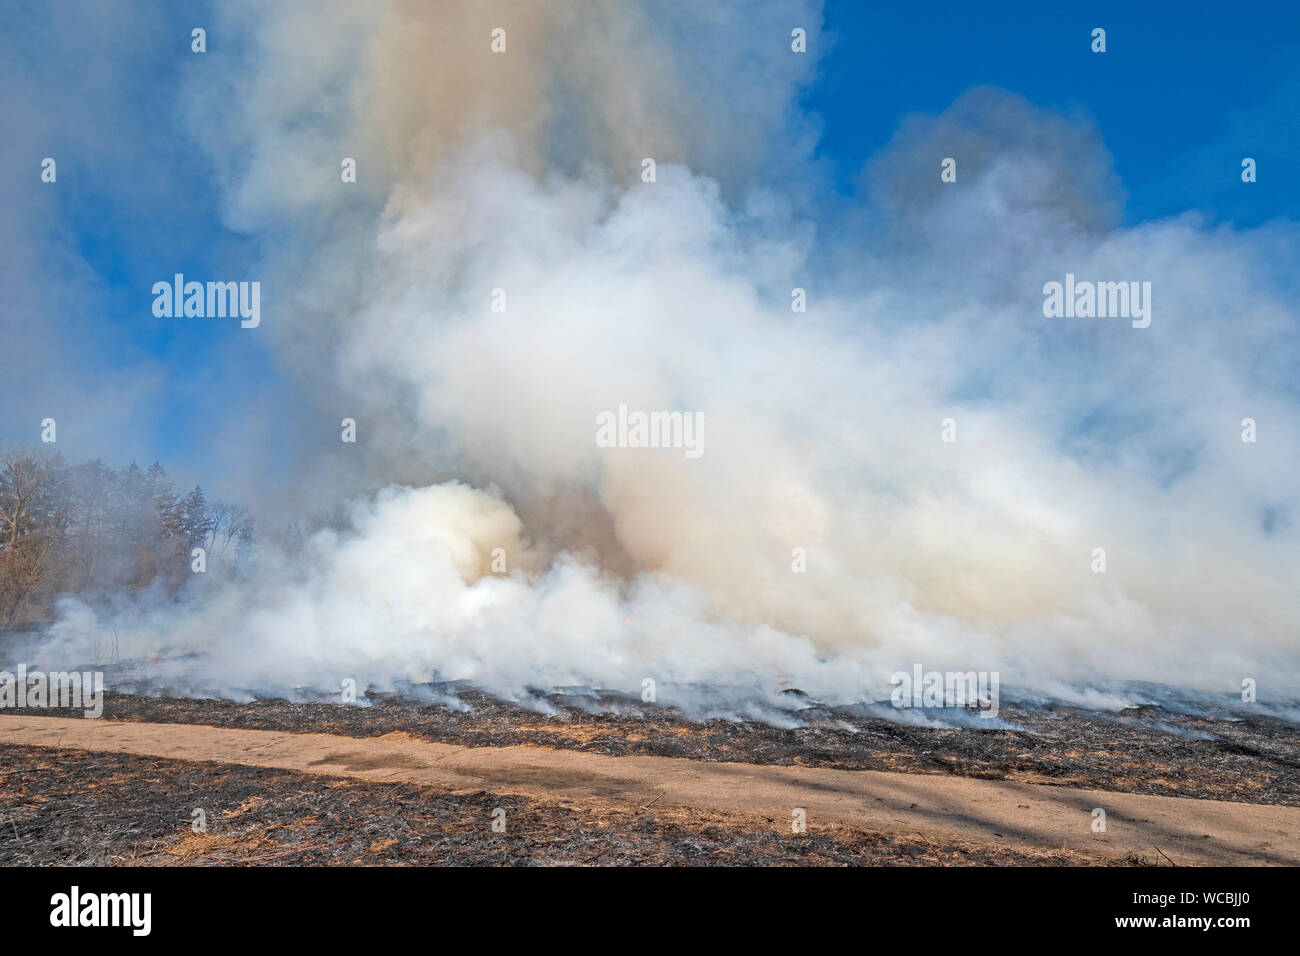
1182,830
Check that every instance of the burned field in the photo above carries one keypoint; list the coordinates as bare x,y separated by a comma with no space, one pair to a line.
1145,750
67,805
75,807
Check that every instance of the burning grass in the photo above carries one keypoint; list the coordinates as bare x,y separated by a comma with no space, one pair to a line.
1256,760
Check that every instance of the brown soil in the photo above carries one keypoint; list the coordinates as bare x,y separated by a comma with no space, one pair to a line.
82,807
1026,818
1256,760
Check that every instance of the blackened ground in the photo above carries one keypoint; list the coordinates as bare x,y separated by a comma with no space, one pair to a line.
70,806
1147,750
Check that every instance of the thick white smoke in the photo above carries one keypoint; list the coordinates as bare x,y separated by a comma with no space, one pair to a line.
520,171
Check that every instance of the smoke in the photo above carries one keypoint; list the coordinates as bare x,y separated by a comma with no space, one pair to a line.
521,172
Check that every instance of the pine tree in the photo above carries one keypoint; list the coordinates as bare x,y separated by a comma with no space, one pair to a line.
195,520
162,493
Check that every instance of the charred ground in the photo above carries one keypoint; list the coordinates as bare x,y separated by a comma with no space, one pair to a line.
60,807
1143,750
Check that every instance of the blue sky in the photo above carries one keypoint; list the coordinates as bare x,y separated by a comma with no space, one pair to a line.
1184,91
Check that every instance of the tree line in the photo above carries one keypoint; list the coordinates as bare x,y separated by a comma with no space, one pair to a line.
90,529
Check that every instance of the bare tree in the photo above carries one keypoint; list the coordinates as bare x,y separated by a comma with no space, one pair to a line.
32,519
231,525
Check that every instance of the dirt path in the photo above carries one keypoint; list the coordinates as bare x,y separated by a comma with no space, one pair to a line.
985,811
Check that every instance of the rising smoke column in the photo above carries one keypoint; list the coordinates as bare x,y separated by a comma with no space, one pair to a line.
521,170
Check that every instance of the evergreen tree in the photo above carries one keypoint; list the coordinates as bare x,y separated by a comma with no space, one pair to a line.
194,519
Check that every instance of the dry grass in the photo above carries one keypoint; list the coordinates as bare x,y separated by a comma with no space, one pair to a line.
1254,761
77,807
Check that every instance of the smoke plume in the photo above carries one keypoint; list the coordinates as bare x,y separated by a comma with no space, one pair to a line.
521,171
